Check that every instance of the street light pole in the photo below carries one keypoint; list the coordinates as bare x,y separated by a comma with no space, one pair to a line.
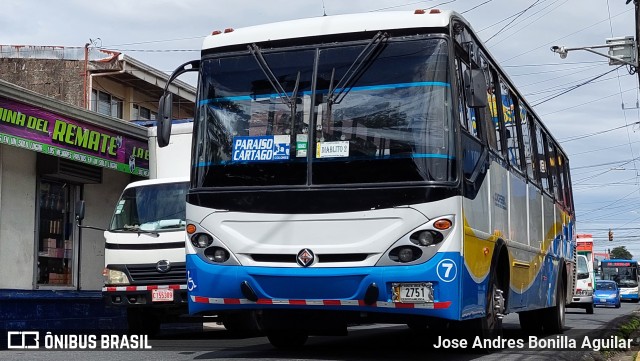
635,3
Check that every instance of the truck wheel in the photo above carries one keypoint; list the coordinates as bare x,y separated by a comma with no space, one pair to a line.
553,320
287,340
142,321
590,309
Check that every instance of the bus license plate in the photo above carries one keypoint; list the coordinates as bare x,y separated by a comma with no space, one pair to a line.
162,295
412,292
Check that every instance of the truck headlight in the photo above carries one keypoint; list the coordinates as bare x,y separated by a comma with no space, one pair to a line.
114,277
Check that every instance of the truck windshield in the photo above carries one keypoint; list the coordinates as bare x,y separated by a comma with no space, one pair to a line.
390,121
154,207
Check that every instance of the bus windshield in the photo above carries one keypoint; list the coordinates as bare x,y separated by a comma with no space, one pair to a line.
626,277
328,115
157,207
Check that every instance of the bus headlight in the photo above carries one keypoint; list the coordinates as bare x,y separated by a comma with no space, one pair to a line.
217,254
114,277
201,240
426,238
405,254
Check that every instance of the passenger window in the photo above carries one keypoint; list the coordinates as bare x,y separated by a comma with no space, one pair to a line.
568,196
541,151
554,165
467,114
490,112
526,119
513,146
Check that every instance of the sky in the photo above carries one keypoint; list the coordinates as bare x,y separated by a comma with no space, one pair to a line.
588,105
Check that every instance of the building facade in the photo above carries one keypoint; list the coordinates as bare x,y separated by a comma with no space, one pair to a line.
66,136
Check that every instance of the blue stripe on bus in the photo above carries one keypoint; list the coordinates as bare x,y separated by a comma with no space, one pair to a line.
357,88
416,155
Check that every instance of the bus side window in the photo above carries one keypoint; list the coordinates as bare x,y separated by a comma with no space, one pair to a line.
526,120
555,173
509,117
490,112
541,151
467,115
568,193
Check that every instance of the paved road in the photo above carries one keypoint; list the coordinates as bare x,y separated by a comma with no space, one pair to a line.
373,342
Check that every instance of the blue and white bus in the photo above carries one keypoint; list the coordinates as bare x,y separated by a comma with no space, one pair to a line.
625,273
357,168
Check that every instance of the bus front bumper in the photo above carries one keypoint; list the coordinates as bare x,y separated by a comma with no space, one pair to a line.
214,288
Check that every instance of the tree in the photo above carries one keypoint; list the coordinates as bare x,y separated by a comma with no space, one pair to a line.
620,253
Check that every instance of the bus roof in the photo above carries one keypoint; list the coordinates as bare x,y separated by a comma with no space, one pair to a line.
328,25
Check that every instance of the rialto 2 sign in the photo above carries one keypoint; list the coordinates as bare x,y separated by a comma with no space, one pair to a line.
35,129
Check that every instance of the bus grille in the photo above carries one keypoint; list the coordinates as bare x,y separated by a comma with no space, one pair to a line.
322,258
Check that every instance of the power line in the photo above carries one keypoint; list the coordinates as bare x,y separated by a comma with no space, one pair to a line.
514,19
597,133
556,40
535,20
477,6
576,87
589,102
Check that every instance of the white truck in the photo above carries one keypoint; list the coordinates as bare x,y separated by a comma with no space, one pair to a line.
144,250
585,276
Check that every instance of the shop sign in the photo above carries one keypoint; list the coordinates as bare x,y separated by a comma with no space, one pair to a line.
35,129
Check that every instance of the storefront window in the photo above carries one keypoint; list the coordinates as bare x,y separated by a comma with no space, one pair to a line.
56,245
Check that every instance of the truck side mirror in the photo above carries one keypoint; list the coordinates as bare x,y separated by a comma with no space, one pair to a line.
165,109
79,210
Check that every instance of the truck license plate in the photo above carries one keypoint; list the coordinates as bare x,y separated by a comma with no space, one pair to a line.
412,292
162,295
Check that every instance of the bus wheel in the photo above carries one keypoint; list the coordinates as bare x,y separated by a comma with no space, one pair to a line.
287,340
490,326
245,323
553,320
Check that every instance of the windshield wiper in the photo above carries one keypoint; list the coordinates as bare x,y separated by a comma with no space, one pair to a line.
362,61
273,80
135,229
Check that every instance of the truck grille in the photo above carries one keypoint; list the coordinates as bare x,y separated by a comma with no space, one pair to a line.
147,274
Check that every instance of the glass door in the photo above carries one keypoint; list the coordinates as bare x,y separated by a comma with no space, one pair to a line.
56,235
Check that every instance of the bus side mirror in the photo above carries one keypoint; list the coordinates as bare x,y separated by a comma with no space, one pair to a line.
79,210
165,108
475,87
